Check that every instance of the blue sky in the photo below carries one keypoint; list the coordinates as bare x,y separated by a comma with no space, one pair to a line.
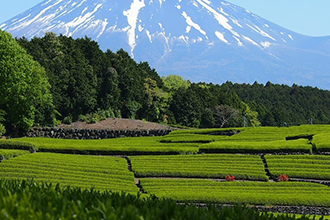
309,17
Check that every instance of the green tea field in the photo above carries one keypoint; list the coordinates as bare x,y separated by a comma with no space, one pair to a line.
264,167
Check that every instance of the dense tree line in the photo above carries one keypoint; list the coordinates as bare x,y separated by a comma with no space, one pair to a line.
87,81
72,79
281,105
84,79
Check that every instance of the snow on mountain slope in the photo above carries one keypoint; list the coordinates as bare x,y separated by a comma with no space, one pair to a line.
202,40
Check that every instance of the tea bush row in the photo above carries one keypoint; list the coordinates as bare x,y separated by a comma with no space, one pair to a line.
246,167
254,193
6,154
56,202
76,170
141,145
300,166
257,147
322,142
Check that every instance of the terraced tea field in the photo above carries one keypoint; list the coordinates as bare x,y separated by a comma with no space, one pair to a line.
100,172
243,167
256,193
300,166
186,165
6,154
322,142
118,146
257,147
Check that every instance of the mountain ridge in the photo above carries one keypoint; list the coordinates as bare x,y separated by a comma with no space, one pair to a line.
199,40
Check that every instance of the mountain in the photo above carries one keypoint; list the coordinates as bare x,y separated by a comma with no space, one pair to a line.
201,40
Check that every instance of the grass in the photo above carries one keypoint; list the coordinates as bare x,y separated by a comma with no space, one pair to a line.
100,172
300,166
252,193
247,167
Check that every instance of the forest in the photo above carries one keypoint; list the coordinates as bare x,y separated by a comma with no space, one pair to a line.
57,79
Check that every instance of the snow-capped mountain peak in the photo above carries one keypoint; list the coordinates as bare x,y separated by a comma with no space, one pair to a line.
212,38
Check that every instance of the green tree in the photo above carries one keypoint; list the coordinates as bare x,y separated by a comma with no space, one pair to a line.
174,82
157,101
250,115
23,84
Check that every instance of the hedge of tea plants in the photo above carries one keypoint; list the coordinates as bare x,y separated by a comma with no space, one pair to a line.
255,193
322,142
300,145
140,145
246,167
6,154
100,172
52,201
300,166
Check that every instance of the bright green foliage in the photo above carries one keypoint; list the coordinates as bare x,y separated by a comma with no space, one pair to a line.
141,145
174,82
247,140
24,87
201,136
190,138
100,172
6,154
299,166
204,131
251,116
56,202
257,193
157,101
257,147
18,145
322,142
246,167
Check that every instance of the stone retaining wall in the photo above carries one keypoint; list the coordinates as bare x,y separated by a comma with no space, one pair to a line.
92,134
